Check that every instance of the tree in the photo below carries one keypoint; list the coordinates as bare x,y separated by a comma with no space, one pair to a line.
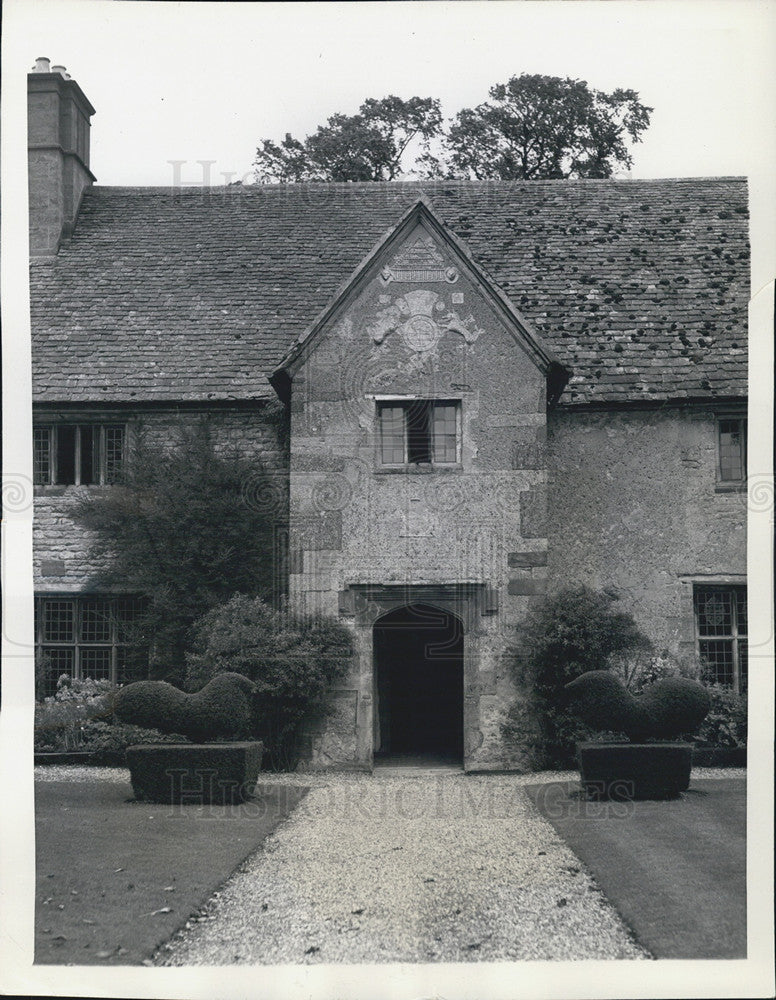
367,146
189,526
544,127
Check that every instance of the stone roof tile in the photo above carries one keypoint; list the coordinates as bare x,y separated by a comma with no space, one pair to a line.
639,287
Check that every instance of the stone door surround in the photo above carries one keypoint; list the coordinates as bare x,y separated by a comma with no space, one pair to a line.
365,604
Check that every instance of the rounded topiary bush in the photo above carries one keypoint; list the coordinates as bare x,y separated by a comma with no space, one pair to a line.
151,705
601,701
675,706
222,709
671,707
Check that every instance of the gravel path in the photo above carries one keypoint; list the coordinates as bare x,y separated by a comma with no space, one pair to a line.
419,866
425,868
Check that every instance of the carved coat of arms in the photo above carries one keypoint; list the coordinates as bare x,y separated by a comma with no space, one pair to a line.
421,318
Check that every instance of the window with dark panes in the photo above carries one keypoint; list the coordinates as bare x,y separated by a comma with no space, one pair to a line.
419,432
721,634
98,637
78,454
732,449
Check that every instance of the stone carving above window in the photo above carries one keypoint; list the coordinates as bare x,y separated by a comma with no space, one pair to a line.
419,261
421,317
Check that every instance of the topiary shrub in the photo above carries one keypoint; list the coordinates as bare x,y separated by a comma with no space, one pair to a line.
292,660
668,708
222,709
674,706
600,700
222,774
565,635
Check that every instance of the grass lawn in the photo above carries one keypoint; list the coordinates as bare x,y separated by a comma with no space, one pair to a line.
675,870
116,878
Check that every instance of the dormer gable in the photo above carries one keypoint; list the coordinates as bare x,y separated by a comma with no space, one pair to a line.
417,266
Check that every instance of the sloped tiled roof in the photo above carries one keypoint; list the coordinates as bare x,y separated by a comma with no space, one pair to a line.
639,287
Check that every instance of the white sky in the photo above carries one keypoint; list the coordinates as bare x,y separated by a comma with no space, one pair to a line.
203,81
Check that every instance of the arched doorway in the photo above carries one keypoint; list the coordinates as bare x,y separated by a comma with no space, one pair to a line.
418,659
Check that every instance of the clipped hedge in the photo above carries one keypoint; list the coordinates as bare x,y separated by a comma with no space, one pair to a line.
628,771
668,708
222,709
195,774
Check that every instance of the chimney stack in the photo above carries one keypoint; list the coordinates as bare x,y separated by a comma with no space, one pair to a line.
58,123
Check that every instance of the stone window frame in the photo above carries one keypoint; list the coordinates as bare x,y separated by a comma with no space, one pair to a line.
736,635
727,485
74,639
405,401
46,450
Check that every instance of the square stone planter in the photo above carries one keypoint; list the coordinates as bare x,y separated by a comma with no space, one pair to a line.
634,770
194,773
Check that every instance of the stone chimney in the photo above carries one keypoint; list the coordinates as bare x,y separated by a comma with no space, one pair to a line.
58,126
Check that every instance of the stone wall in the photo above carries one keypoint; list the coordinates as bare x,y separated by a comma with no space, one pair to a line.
474,533
61,556
634,505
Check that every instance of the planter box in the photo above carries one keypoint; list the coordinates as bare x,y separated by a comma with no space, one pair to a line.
194,773
634,770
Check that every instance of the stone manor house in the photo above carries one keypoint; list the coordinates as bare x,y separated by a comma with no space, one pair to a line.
490,390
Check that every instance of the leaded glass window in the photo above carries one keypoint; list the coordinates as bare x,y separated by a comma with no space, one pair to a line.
78,454
732,449
721,627
97,637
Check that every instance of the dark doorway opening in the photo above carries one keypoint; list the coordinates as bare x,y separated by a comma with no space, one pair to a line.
419,685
